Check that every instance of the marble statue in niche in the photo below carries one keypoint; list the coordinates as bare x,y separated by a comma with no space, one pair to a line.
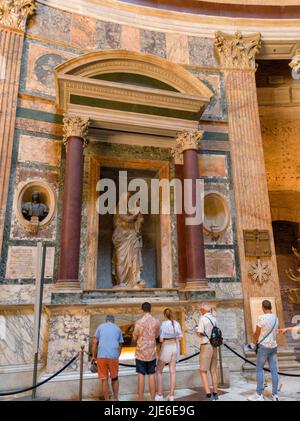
35,211
127,262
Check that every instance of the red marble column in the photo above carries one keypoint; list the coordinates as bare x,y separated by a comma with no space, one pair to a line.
188,142
75,130
181,249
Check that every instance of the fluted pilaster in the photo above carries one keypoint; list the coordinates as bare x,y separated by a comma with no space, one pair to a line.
13,17
252,207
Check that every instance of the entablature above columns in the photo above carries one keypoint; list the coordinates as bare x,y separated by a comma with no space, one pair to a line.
137,104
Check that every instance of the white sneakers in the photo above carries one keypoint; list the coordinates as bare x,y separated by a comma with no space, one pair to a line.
256,397
161,398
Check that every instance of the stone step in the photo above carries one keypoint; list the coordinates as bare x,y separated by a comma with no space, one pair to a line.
282,353
279,358
287,360
283,366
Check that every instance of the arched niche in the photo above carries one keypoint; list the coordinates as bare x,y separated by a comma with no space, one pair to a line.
23,195
216,215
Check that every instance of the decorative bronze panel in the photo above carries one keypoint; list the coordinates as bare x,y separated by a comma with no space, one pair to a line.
257,243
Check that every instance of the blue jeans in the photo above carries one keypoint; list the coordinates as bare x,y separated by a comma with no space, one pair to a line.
263,355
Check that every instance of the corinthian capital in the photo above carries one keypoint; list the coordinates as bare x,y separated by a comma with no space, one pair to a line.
237,51
295,63
75,126
14,13
188,140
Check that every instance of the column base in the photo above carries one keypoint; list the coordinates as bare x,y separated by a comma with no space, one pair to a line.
72,284
197,285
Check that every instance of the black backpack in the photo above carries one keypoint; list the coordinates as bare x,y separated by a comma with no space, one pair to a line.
216,338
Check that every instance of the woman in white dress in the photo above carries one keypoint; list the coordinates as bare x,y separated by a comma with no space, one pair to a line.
170,335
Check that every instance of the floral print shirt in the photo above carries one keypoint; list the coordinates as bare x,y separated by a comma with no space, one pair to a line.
146,330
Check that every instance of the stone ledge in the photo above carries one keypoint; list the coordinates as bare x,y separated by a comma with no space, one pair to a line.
66,386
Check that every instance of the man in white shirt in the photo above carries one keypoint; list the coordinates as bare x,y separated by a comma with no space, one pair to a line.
265,337
208,357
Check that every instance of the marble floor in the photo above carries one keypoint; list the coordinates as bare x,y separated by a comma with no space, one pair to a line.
241,388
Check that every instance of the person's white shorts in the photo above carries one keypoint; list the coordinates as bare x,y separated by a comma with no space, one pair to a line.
168,351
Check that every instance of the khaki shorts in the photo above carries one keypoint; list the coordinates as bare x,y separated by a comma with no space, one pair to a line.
168,351
208,358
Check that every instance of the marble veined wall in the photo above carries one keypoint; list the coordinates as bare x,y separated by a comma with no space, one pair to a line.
54,36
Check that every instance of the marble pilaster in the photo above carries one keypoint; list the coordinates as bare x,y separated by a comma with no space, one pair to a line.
13,19
237,57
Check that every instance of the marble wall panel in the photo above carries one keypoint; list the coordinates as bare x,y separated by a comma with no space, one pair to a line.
220,263
21,262
39,150
50,23
201,52
228,290
16,339
216,109
38,126
22,294
191,323
177,48
38,68
212,165
108,35
130,38
231,321
83,32
153,43
66,334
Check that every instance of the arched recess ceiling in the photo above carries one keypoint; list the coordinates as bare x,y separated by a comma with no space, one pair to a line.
285,205
153,86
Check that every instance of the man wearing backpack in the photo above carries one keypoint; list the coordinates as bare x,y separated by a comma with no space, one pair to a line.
265,338
208,354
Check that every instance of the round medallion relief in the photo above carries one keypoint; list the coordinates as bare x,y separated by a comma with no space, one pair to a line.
216,215
34,205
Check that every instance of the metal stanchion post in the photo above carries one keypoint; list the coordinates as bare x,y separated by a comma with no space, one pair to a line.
222,383
39,284
81,372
